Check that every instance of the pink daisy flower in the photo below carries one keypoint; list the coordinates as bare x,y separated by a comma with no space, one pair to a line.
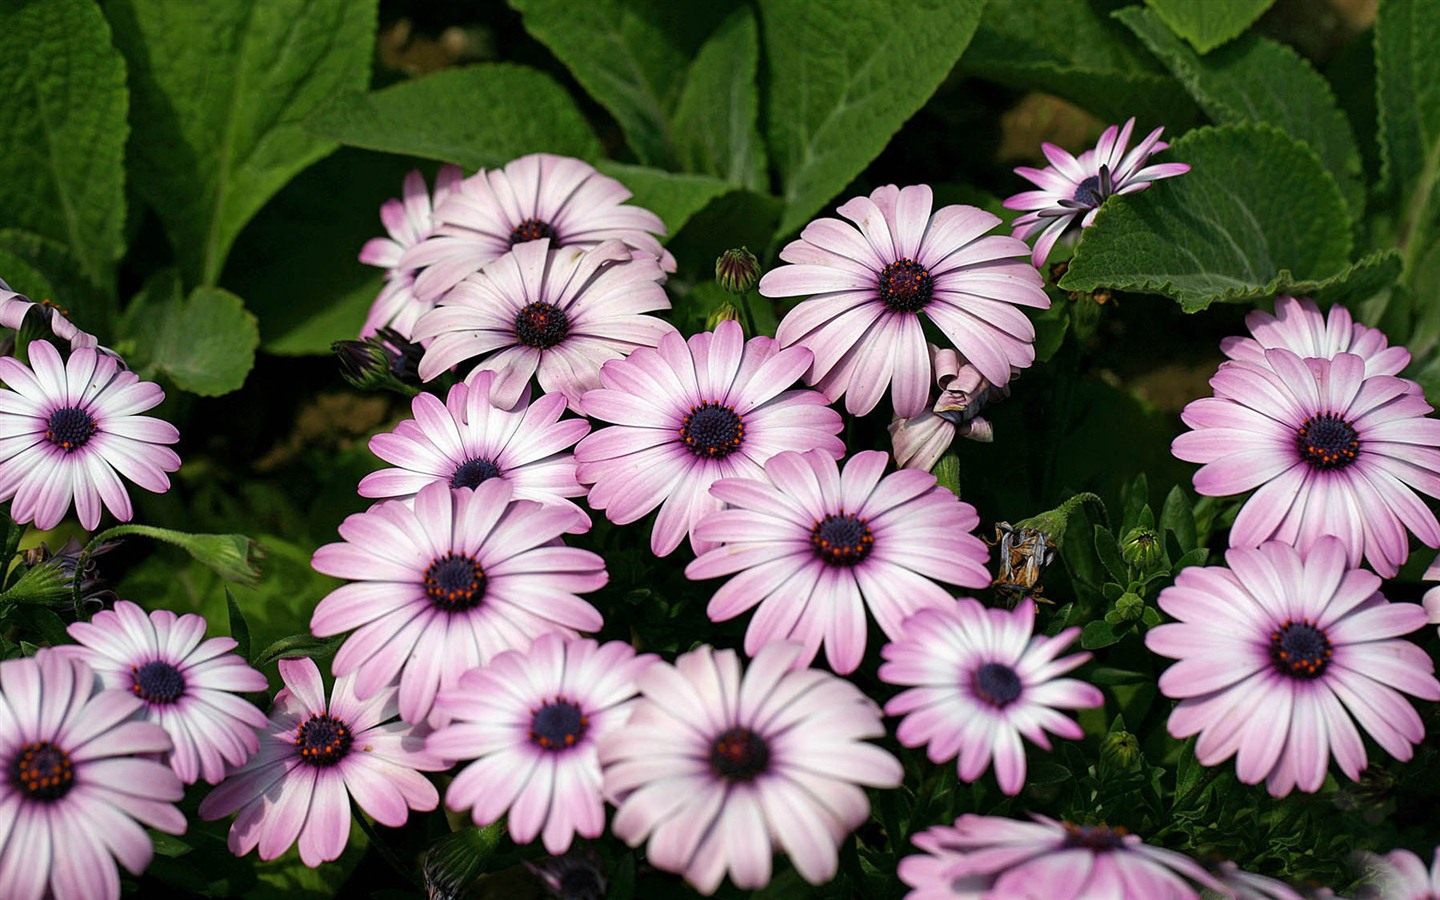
1331,451
445,585
531,721
688,413
1300,327
1281,655
188,686
467,440
66,430
869,284
978,682
993,857
78,787
554,314
15,307
814,548
919,442
1401,875
538,196
408,221
1072,188
717,768
314,756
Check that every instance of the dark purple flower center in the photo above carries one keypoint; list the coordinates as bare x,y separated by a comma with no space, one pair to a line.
997,684
323,740
69,428
1327,441
541,325
739,755
157,682
905,286
1300,650
842,540
531,230
1091,192
473,473
1099,838
455,582
558,724
712,431
42,771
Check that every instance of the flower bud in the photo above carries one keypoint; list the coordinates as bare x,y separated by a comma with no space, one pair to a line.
1130,607
1120,749
385,361
1142,548
737,271
725,312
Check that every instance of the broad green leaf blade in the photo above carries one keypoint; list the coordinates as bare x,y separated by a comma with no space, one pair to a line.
671,196
62,130
1255,79
1207,24
1222,231
630,55
295,263
715,120
477,117
239,629
231,556
43,269
219,90
844,76
205,342
1070,50
1407,93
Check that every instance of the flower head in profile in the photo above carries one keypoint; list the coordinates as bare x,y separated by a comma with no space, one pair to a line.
314,756
409,221
467,440
531,722
992,857
71,431
1072,188
872,283
1300,327
1281,655
717,767
189,686
813,548
15,308
556,314
1327,449
690,412
919,442
1400,875
540,196
979,681
79,785
448,583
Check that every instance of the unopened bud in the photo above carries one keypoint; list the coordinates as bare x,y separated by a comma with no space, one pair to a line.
1142,548
725,312
1130,607
1120,749
737,271
385,361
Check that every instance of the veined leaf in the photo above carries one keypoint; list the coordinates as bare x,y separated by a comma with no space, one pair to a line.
1207,24
715,118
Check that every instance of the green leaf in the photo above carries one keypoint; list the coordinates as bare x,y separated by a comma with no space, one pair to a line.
437,117
453,862
1068,50
56,276
844,76
1221,232
62,130
715,118
231,556
1109,552
1207,24
1256,79
1196,557
1178,517
671,196
239,629
1407,91
219,90
298,646
205,343
1099,634
630,55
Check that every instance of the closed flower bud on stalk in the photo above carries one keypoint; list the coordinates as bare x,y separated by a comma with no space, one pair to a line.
385,361
1120,749
737,271
725,312
1142,548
